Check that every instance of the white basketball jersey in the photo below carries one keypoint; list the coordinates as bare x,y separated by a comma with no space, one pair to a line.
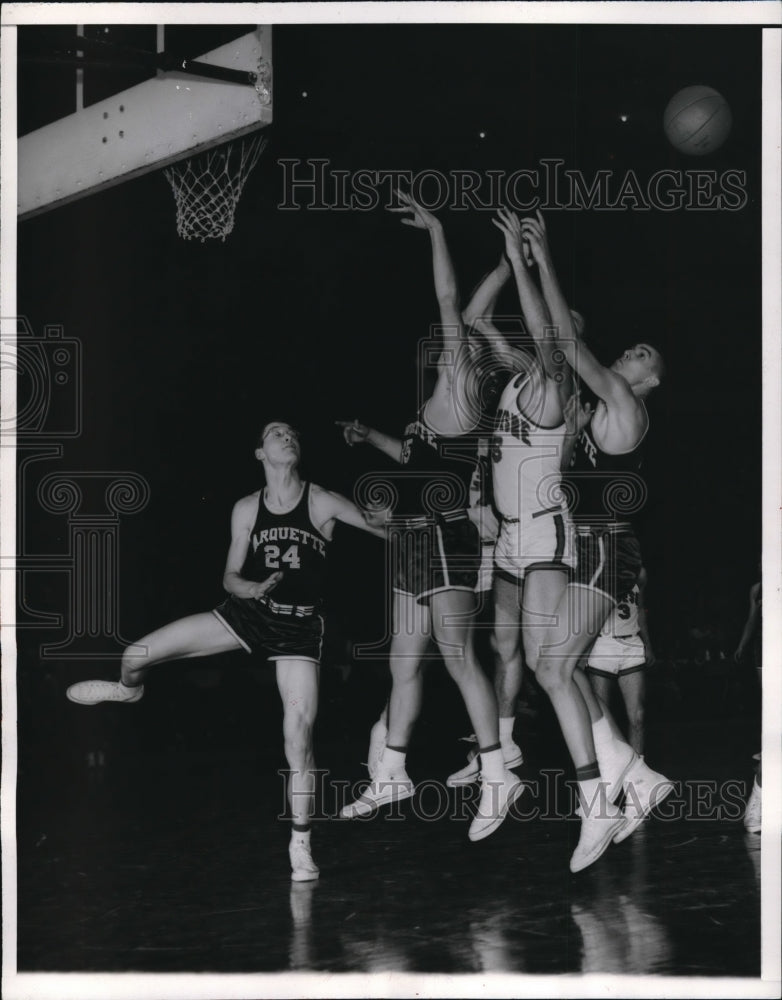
623,620
525,458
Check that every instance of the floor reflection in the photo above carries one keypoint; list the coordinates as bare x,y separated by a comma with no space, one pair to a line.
495,945
300,953
616,920
677,898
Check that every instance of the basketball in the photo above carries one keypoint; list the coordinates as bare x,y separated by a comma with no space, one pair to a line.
697,120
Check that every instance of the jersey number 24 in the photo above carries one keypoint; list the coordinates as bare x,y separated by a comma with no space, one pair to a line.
290,556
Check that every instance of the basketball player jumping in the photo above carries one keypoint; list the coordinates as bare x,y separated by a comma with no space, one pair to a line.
604,473
279,542
532,557
435,553
496,358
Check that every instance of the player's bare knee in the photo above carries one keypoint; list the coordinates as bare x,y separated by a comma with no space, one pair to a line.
298,719
461,668
405,670
134,664
507,647
550,674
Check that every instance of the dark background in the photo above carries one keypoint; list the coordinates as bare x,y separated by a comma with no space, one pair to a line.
315,316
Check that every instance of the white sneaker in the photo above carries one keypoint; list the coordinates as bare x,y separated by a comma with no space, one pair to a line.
468,774
496,799
598,829
377,744
381,791
614,769
644,789
93,692
303,868
752,814
511,755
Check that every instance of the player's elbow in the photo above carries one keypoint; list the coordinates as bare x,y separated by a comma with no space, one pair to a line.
565,346
472,319
376,520
450,313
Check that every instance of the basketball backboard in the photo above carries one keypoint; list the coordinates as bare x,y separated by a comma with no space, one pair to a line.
170,115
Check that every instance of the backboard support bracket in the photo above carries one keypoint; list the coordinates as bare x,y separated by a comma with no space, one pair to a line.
175,115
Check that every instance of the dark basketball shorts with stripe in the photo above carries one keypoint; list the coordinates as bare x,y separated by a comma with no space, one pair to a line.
275,635
543,540
608,559
429,557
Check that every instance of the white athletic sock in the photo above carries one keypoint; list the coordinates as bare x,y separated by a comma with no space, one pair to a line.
301,837
128,688
506,729
606,744
492,765
392,761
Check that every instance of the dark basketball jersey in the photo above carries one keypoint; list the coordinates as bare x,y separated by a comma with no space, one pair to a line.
436,471
290,543
604,487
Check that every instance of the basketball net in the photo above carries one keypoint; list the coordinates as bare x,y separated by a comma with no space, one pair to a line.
207,188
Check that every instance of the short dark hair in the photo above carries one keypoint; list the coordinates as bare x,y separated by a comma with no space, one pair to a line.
271,423
657,359
659,363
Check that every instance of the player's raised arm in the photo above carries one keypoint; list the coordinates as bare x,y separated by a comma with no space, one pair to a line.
480,309
241,525
329,506
478,317
535,237
601,380
445,284
358,433
536,313
449,408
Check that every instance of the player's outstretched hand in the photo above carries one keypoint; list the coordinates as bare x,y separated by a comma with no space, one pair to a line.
536,238
420,217
353,431
515,245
